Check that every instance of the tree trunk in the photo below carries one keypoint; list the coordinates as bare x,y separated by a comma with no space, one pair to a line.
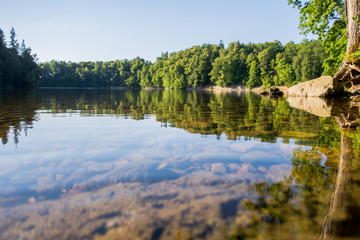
349,70
352,10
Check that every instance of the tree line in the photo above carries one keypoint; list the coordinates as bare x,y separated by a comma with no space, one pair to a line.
18,67
264,64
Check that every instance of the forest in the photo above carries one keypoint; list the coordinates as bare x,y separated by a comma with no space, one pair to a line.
264,64
18,67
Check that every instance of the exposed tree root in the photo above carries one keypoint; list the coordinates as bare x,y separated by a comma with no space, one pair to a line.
348,74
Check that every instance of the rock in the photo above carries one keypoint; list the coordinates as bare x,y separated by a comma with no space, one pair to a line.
246,168
162,165
234,166
324,86
262,169
58,177
218,167
32,200
230,89
273,92
278,172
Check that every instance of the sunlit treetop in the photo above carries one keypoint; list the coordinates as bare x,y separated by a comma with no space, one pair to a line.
318,16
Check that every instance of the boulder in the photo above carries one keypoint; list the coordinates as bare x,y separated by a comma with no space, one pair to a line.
324,86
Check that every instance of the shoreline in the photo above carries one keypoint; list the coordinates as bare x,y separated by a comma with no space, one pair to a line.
241,88
210,88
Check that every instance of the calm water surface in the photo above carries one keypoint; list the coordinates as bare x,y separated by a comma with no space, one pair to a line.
101,164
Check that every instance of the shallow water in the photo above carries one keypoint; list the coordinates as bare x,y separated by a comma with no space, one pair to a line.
101,164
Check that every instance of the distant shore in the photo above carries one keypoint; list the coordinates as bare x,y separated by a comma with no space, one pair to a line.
115,88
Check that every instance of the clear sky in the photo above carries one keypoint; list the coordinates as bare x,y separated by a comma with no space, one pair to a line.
104,30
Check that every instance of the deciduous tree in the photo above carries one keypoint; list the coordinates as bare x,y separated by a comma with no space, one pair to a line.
337,23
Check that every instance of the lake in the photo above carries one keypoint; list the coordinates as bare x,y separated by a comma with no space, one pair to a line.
116,164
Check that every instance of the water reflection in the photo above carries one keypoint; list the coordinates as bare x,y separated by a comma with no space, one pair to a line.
235,116
191,166
343,215
342,218
18,111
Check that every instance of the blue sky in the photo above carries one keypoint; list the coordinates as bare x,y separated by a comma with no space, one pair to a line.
89,30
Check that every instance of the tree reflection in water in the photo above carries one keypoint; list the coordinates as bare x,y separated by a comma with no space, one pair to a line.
343,217
18,111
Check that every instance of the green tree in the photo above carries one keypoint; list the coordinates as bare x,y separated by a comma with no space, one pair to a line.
336,22
29,68
220,74
3,52
18,67
285,74
267,62
14,45
254,75
307,64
